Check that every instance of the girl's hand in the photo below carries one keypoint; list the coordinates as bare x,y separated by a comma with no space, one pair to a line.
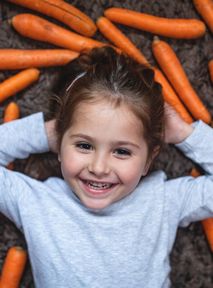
51,135
176,129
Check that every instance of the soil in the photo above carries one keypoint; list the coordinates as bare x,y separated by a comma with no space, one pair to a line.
191,258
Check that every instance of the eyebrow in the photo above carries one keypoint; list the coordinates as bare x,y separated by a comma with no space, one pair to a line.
87,137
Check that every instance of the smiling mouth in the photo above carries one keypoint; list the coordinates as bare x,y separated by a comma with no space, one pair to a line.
97,189
98,185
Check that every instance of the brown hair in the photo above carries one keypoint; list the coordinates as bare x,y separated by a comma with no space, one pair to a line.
105,74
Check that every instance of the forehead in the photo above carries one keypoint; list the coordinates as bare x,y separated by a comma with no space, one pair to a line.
103,117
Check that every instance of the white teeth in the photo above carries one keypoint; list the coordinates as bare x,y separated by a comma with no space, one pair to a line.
96,185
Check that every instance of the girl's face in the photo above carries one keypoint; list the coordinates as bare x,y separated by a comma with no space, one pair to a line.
103,154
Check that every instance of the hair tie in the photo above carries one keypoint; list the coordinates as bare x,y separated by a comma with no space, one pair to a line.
73,82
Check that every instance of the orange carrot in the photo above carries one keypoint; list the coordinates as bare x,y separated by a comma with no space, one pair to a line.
206,223
208,229
11,112
18,82
112,33
64,12
175,28
194,172
20,58
171,97
13,267
174,71
40,29
205,9
210,64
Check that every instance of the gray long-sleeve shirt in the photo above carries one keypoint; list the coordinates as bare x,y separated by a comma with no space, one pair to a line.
126,245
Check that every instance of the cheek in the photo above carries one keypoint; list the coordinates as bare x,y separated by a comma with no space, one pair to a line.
131,174
71,164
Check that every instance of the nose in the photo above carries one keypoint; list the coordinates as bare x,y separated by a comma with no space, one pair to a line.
99,164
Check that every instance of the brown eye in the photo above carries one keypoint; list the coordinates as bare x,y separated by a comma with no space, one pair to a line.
84,146
121,152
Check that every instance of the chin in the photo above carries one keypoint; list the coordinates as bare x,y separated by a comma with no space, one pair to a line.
96,205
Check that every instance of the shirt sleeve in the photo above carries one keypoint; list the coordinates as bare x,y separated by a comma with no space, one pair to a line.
19,138
191,199
22,137
198,146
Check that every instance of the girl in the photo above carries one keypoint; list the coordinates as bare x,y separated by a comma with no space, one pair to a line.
107,223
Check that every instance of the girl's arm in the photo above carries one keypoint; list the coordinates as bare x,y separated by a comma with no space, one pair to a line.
19,139
51,135
198,147
190,199
195,140
22,137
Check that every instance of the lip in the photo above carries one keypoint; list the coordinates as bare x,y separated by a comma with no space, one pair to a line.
96,193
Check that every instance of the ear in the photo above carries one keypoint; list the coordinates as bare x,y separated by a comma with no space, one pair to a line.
151,159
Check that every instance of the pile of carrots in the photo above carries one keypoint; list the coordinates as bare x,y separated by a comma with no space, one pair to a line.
75,37
177,90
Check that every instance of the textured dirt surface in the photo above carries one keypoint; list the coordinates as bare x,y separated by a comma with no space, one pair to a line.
191,259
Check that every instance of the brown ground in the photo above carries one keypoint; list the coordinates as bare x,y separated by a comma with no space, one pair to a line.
191,259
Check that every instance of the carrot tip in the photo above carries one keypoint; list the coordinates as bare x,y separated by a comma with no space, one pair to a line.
19,248
156,38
